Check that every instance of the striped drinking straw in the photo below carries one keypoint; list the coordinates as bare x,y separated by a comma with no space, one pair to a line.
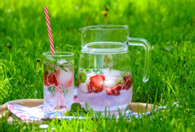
49,30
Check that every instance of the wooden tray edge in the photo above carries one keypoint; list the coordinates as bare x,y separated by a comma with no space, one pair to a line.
137,107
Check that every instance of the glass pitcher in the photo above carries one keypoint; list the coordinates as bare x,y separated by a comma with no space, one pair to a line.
105,75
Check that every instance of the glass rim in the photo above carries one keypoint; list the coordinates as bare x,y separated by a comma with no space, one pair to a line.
59,53
104,27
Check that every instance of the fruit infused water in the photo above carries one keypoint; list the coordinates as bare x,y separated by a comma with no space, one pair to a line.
105,67
58,83
109,88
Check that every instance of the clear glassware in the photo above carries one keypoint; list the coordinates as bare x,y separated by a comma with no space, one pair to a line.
105,75
58,78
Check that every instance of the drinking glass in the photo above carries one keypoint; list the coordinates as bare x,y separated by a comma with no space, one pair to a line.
58,81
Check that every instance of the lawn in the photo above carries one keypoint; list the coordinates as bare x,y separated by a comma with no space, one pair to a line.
169,26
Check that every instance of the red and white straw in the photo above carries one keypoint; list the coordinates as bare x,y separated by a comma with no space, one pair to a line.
49,30
60,96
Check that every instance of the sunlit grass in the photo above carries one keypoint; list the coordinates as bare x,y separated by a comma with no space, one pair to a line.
168,25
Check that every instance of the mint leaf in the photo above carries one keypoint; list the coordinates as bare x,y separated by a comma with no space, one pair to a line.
87,69
63,68
75,110
64,64
50,67
82,77
52,90
119,81
67,113
52,62
74,107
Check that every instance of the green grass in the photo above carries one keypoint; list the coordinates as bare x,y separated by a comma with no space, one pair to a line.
168,25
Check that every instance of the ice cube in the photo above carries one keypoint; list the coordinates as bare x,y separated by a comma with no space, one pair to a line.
61,61
65,76
110,82
83,86
115,73
112,72
105,70
111,77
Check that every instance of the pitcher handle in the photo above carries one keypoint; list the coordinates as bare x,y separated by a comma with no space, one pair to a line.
144,43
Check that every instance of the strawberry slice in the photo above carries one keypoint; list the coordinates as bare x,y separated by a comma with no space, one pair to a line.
109,91
114,91
45,79
127,84
50,79
117,93
97,83
127,77
98,80
117,88
88,89
127,81
55,81
94,88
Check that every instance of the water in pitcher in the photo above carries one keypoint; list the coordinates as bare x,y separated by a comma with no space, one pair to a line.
103,79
